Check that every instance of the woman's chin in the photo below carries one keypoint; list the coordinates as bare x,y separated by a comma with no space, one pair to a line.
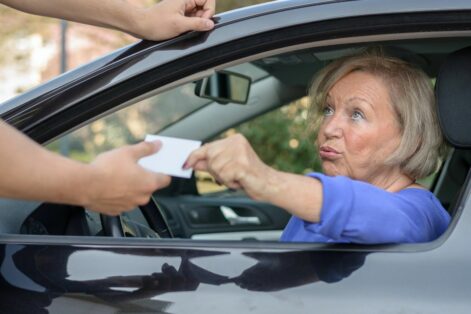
330,170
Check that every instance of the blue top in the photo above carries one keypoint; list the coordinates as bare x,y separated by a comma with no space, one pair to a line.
358,212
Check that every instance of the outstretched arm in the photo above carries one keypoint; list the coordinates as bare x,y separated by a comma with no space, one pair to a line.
233,162
112,183
164,20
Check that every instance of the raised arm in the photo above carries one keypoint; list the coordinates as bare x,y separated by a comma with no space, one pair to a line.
164,20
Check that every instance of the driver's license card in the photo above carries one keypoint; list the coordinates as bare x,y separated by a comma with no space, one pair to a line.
171,156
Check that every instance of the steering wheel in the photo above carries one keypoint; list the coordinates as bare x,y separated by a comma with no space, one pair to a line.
113,225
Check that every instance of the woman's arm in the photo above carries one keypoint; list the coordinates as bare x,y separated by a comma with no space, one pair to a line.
233,162
301,196
164,20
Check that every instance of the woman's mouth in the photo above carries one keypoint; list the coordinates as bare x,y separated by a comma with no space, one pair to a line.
327,152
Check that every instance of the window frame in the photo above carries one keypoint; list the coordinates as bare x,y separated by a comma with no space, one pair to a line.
327,34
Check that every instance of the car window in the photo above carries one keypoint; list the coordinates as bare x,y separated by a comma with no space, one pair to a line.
131,124
291,148
275,120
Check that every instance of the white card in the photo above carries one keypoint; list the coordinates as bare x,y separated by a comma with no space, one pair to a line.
171,156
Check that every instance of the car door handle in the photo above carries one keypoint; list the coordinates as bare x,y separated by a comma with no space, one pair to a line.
234,219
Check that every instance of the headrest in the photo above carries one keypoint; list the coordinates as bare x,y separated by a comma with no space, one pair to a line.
453,91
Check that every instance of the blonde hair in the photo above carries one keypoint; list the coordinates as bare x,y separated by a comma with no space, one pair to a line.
412,99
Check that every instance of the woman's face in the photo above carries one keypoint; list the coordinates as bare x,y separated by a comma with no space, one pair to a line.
359,130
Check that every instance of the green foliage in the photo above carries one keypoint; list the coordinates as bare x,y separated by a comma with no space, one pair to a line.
282,140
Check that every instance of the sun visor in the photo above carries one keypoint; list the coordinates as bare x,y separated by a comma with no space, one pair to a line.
453,91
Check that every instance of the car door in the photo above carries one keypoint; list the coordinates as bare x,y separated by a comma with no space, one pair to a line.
65,274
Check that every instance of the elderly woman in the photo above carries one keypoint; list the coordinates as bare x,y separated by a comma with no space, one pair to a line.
378,133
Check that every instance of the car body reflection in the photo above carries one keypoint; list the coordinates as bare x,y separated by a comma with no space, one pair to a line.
38,284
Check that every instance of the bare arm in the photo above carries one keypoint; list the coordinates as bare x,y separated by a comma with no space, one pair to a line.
301,196
164,20
233,162
114,182
28,170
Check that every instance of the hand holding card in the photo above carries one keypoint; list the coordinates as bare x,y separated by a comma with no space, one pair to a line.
170,158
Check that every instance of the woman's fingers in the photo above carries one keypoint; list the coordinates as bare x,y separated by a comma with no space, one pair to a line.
205,155
230,176
198,156
231,161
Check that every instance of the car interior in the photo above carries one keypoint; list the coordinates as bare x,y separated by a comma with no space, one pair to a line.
210,107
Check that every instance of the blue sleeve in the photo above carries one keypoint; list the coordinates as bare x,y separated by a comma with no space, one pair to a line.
359,212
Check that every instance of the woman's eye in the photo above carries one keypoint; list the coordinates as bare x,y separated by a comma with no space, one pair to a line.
327,111
357,115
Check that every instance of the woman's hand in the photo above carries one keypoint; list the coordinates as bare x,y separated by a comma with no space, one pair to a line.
234,163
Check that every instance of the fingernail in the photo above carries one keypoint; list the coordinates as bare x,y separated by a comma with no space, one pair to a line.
185,166
209,24
157,144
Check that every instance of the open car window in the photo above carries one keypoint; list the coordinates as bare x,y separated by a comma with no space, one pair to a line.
131,124
276,122
148,116
291,148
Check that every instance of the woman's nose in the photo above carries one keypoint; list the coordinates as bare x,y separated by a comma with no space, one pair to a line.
332,126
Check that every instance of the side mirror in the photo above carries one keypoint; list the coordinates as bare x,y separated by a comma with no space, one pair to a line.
225,87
